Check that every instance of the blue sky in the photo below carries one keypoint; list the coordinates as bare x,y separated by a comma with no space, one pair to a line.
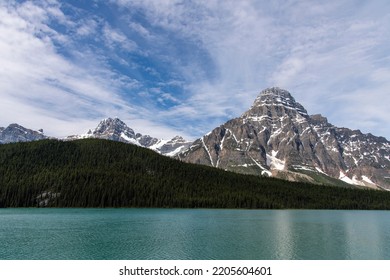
185,67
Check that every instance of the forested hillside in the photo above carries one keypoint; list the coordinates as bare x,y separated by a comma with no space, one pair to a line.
103,173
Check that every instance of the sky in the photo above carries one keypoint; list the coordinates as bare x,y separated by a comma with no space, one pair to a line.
175,67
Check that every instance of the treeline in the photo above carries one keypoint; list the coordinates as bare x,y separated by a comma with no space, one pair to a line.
102,173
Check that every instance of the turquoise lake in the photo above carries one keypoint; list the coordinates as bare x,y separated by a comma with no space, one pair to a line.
29,233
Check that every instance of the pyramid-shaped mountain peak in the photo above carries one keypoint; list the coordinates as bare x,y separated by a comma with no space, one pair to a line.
114,129
111,122
275,102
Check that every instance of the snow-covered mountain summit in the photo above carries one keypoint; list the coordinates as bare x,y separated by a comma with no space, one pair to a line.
110,129
277,137
280,100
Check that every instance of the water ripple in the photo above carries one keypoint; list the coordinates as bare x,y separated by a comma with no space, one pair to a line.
193,234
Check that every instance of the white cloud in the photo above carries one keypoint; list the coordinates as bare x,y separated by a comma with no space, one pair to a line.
141,30
87,27
288,72
115,38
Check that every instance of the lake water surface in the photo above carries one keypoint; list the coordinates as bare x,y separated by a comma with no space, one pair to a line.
193,234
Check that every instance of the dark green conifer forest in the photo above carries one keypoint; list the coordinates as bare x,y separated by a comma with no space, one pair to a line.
102,173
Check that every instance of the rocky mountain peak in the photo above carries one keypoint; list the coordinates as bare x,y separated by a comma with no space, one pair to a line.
274,95
17,133
114,129
110,124
146,140
276,137
274,102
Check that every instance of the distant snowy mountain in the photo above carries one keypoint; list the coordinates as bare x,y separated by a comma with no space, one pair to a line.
170,147
276,137
117,130
18,133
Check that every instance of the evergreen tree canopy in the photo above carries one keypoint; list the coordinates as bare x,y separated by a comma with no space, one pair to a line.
102,173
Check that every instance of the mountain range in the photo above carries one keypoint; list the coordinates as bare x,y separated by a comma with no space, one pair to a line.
109,129
275,137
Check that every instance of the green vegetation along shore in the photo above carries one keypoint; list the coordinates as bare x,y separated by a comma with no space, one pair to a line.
102,173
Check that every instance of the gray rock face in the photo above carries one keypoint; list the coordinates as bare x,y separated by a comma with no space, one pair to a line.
18,133
276,137
146,140
114,129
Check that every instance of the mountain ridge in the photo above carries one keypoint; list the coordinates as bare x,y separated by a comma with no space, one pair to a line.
116,130
108,128
275,137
